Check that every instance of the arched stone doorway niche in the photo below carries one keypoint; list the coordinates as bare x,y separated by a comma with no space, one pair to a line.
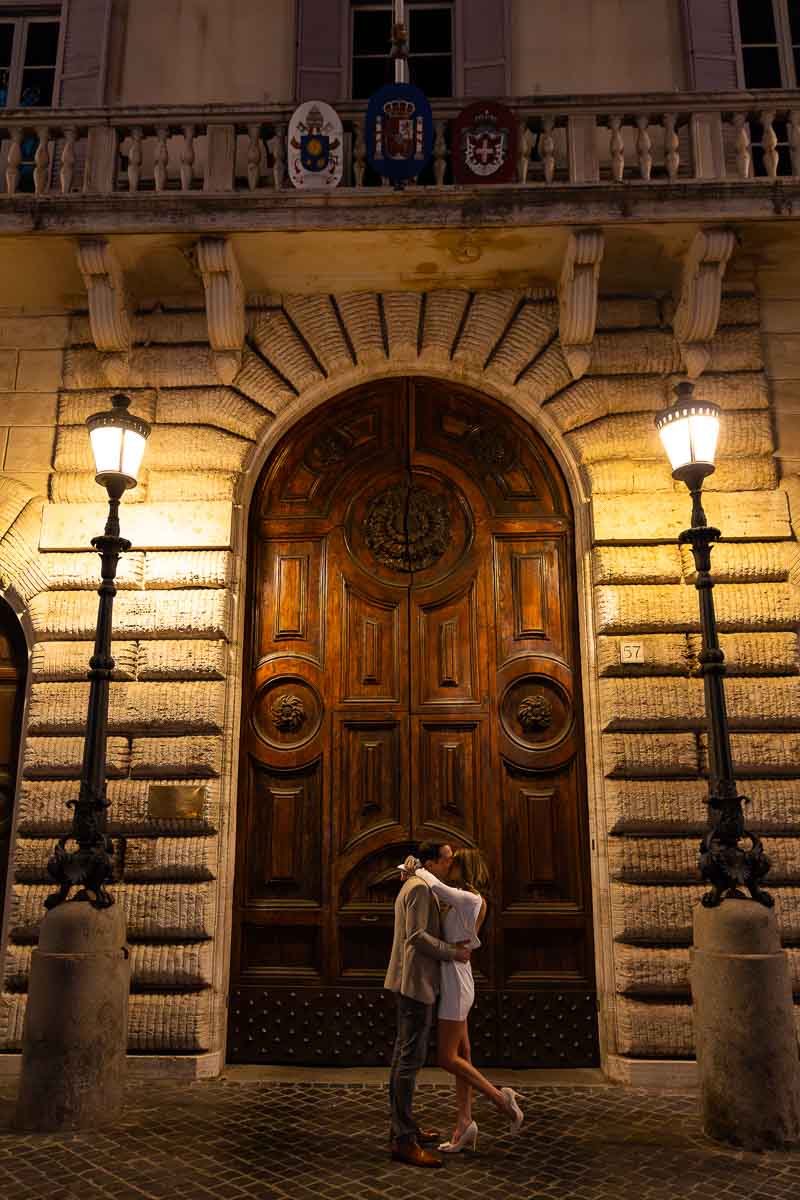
344,764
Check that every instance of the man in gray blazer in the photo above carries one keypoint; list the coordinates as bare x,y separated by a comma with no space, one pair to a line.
413,975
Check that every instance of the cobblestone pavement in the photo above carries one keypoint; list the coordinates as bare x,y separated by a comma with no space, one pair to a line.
226,1140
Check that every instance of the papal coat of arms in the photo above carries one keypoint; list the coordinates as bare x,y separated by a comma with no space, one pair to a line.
399,131
315,146
484,144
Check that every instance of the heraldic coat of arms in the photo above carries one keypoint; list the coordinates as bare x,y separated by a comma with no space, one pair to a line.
485,144
315,146
399,131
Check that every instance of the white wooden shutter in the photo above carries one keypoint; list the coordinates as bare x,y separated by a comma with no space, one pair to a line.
321,28
485,47
712,37
85,54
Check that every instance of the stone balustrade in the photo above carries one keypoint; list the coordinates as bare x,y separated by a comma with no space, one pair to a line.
644,139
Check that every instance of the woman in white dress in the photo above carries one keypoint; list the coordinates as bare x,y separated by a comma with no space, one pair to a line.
463,912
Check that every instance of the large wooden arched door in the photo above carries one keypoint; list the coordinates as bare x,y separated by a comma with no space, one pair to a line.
12,689
411,673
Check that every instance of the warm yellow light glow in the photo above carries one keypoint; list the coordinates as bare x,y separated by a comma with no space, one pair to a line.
118,441
689,431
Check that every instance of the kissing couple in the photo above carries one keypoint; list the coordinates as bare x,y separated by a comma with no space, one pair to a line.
437,916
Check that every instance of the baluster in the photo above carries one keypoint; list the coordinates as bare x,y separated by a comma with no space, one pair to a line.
616,149
440,153
526,142
794,140
253,156
279,155
135,158
672,158
161,158
744,152
769,142
14,160
644,145
67,169
41,160
547,148
359,154
187,158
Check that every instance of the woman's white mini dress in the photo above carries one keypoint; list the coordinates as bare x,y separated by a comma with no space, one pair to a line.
459,922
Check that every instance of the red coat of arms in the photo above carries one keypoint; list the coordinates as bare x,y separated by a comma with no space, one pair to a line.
485,144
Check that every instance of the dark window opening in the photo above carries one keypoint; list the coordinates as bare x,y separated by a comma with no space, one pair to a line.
430,48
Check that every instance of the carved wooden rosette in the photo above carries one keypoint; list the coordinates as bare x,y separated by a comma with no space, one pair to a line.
109,309
697,314
577,294
222,281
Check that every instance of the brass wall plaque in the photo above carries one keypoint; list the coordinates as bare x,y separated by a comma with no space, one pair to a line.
176,801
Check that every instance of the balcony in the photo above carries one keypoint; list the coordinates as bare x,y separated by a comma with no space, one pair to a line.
594,159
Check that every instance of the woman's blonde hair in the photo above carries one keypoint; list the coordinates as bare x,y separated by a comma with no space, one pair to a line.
474,871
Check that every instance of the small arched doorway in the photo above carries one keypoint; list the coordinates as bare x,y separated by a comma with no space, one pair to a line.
411,672
13,659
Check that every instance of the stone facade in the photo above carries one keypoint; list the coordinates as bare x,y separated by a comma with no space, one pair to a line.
178,617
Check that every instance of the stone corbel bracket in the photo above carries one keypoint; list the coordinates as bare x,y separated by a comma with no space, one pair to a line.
109,308
697,312
577,295
225,313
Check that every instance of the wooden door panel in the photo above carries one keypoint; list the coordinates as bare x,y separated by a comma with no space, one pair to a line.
448,758
283,809
290,610
373,655
447,663
371,780
278,951
542,846
530,608
560,955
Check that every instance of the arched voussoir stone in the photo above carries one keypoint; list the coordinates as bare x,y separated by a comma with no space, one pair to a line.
22,573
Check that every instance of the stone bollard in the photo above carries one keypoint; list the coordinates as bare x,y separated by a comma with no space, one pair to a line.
745,1034
75,1034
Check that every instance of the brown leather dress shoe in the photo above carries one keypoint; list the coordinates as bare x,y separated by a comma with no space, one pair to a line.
413,1154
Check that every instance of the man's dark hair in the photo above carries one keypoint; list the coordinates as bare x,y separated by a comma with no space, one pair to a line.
430,851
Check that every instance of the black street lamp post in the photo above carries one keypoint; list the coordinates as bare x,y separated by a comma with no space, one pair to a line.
689,431
118,441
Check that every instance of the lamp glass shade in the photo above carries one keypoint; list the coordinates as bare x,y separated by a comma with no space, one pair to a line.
689,431
118,441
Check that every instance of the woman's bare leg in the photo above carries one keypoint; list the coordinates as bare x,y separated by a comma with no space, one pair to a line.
463,1089
449,1036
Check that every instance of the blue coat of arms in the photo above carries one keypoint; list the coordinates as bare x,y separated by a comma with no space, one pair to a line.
399,131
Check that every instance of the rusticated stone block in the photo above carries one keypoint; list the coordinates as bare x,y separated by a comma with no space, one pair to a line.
186,967
590,398
71,572
402,314
53,662
362,319
258,381
80,487
546,376
755,653
634,754
20,568
662,654
737,349
676,860
534,325
651,970
635,352
174,707
166,327
487,317
156,1023
636,564
316,319
444,312
764,700
187,659
645,806
278,341
60,757
651,1030
177,525
660,700
161,859
732,392
650,913
744,562
200,613
751,516
44,812
739,309
219,406
628,609
75,407
176,758
182,569
615,476
169,447
762,753
196,486
628,312
634,435
152,910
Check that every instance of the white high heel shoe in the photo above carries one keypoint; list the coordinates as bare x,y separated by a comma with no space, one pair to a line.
467,1141
517,1114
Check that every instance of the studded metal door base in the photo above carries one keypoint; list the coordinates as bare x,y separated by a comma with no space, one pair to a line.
355,1027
